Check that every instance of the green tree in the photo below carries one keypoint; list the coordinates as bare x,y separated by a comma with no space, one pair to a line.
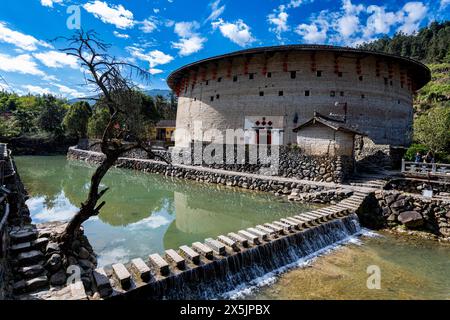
51,116
433,129
76,119
98,121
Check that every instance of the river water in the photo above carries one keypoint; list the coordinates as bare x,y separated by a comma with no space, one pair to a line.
144,213
147,213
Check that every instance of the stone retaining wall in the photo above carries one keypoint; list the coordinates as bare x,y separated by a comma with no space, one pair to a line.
417,186
414,212
292,163
297,191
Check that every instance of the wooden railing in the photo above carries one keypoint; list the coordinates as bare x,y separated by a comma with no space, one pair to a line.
427,169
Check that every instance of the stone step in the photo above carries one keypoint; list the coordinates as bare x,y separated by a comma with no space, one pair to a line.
277,229
240,239
190,254
23,236
174,257
259,233
285,226
266,230
29,258
102,282
203,250
307,215
298,223
122,275
161,266
216,246
249,236
21,247
26,286
140,269
228,242
31,271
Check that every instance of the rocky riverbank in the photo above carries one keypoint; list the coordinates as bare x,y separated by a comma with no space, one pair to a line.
414,214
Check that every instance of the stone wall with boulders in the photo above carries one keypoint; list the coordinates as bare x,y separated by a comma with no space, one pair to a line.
417,186
291,163
413,212
263,183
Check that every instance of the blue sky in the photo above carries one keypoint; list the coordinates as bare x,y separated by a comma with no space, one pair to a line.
163,35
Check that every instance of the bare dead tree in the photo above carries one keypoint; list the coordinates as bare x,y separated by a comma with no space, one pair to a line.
113,80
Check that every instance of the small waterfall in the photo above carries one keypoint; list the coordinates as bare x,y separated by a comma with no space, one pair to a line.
224,278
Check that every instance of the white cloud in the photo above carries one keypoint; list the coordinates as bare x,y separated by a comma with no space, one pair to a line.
120,35
412,14
148,25
444,4
36,89
216,10
20,40
294,3
23,63
156,10
279,20
238,32
379,21
316,31
67,92
49,3
190,40
186,29
346,27
114,14
187,46
155,71
57,59
154,58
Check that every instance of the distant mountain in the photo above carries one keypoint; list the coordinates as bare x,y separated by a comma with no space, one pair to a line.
153,93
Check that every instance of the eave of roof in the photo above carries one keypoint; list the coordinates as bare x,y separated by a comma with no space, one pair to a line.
335,125
421,73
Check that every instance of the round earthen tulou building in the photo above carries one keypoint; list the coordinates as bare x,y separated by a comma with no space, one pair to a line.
281,88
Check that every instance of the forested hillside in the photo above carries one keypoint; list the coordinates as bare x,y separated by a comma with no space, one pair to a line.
431,45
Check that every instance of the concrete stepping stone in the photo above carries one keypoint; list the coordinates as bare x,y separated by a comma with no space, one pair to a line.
159,264
236,237
173,256
190,254
140,269
21,247
266,230
275,228
101,280
29,258
122,275
291,223
260,234
23,236
25,286
283,225
217,246
297,221
228,242
31,271
249,236
203,250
